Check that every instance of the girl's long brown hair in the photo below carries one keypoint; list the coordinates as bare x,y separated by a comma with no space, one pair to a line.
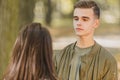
32,55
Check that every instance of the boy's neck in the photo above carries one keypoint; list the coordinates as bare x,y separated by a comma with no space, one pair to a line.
84,42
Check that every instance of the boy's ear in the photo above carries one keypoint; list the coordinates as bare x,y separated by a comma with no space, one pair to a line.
97,22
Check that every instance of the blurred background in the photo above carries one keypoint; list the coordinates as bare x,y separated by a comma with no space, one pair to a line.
56,15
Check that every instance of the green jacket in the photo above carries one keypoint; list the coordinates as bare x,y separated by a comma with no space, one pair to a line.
99,64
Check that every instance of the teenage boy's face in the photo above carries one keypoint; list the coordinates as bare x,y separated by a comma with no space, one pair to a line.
84,21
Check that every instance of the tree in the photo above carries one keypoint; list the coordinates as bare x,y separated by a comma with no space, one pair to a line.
13,14
48,11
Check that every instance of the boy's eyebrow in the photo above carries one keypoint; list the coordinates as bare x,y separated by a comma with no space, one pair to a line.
85,17
82,17
75,16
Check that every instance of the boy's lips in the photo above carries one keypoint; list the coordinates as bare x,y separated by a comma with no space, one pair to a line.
79,29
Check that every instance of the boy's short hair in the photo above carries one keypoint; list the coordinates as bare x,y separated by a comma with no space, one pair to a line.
88,4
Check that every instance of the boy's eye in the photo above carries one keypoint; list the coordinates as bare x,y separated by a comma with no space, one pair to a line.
85,19
75,18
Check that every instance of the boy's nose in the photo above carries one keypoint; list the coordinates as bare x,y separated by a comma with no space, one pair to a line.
78,24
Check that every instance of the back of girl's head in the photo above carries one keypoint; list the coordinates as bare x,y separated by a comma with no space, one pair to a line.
32,55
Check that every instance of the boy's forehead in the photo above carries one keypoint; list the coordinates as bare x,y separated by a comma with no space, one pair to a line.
83,12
